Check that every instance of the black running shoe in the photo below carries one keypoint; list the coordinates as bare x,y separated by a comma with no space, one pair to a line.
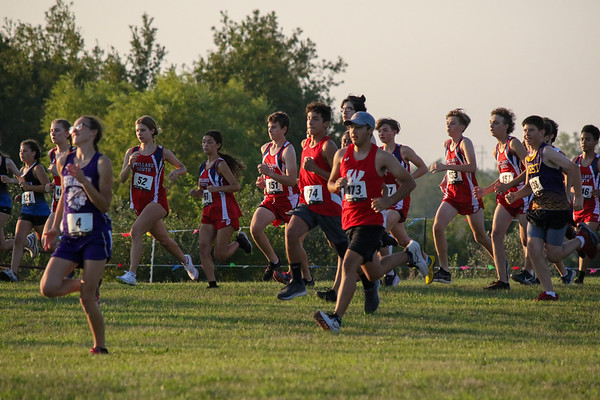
328,295
498,285
293,289
372,298
98,350
442,276
524,278
268,274
244,242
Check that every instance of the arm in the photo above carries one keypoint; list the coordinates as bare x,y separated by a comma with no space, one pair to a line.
335,182
552,158
226,173
40,173
10,166
470,164
329,151
51,233
478,192
409,155
171,159
386,161
128,161
102,196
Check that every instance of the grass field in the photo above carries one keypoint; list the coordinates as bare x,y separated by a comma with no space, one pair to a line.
179,340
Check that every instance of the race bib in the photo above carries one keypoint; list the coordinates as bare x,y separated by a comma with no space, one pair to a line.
142,182
536,185
453,177
506,177
586,191
356,191
313,194
207,199
391,189
28,198
57,192
80,224
273,187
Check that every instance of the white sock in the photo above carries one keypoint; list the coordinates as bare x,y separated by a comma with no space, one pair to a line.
582,240
553,294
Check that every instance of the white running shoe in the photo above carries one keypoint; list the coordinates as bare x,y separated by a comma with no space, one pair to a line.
328,322
189,267
415,258
127,278
32,245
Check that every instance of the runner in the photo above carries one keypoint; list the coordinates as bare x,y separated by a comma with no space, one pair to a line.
217,182
6,165
87,180
146,162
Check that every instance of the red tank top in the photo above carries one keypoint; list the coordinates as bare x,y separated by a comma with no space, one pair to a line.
459,184
56,178
509,165
364,184
277,164
313,188
147,181
590,177
390,181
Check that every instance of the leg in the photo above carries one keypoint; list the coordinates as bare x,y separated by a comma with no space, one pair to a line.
261,219
444,215
92,274
396,228
535,250
22,230
350,265
159,232
224,247
206,236
502,220
53,283
294,230
476,223
152,213
47,227
585,262
5,244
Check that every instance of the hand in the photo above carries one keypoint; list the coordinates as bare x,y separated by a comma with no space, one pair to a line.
133,157
52,169
260,182
578,203
76,173
342,182
380,204
173,175
49,237
195,193
309,164
5,179
510,197
437,167
477,192
49,187
502,187
264,169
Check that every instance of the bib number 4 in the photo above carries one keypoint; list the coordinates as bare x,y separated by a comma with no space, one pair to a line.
80,224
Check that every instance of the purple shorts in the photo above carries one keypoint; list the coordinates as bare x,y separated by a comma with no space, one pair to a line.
95,246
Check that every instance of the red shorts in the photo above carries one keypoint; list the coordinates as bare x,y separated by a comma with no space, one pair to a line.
586,215
519,207
464,208
402,208
221,223
280,207
162,200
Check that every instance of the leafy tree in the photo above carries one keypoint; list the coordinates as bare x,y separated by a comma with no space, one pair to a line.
568,144
146,54
283,69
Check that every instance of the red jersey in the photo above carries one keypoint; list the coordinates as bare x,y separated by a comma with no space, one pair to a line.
459,185
147,182
364,184
313,187
392,186
589,181
274,189
217,206
56,178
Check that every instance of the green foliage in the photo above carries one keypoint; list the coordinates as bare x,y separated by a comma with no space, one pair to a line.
568,144
146,55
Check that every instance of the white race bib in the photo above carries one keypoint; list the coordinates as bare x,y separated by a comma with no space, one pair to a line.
356,191
142,182
391,189
28,198
586,191
313,194
273,187
207,199
80,224
453,177
506,177
536,185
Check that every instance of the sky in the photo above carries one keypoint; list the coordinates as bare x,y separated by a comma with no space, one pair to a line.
413,60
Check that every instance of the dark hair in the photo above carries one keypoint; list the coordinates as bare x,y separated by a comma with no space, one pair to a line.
592,130
535,120
233,163
149,122
395,125
507,115
461,115
320,108
281,118
551,128
66,125
96,125
357,102
33,146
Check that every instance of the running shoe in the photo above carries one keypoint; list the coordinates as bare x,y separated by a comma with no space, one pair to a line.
328,295
268,274
282,277
372,298
569,276
430,262
329,322
32,245
391,279
293,289
524,278
8,275
127,278
442,276
415,257
308,283
189,267
498,285
98,350
591,240
244,242
544,296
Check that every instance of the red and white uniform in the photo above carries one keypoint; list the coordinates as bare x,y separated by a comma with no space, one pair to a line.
590,177
392,186
56,178
459,185
313,187
147,182
509,167
219,208
279,198
364,184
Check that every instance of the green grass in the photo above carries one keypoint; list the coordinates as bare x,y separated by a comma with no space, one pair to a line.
179,340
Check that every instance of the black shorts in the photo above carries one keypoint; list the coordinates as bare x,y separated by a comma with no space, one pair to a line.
36,220
365,240
330,225
6,210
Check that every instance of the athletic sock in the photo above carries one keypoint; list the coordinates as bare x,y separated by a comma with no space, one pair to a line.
553,294
275,265
367,284
296,271
212,284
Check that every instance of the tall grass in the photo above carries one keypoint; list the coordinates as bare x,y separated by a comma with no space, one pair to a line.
180,340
